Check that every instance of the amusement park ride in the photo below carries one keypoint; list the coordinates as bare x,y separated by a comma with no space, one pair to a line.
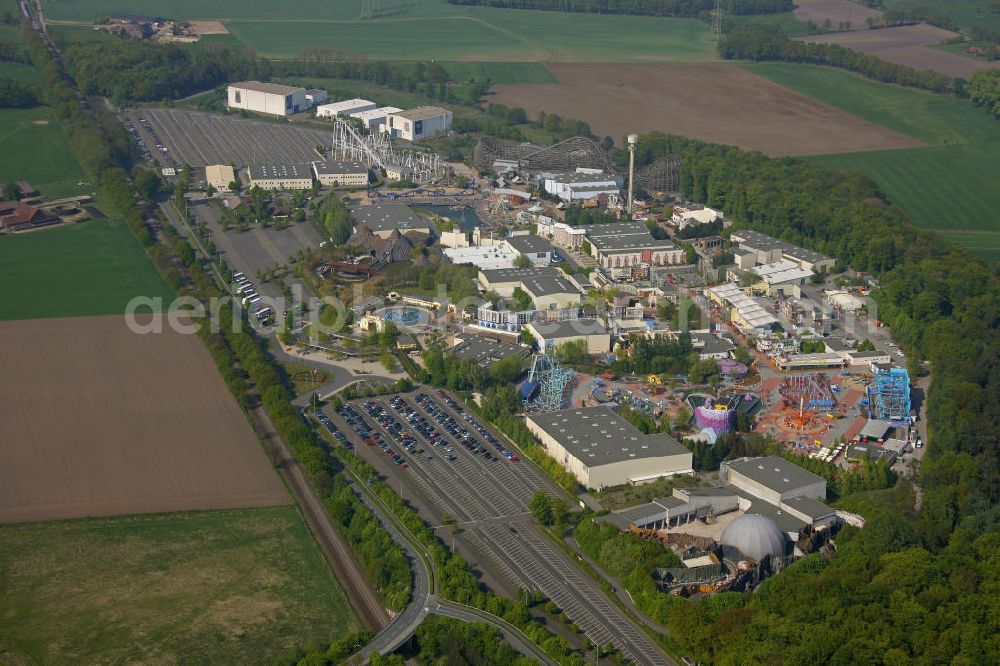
808,398
545,388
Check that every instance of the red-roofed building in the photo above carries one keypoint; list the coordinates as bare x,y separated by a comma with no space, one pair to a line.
25,217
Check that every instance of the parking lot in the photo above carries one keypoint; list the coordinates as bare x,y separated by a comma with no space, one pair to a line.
178,136
429,442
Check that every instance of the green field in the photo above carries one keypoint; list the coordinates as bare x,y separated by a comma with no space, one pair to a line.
219,587
19,71
966,12
35,147
952,186
429,29
91,268
499,72
792,26
490,34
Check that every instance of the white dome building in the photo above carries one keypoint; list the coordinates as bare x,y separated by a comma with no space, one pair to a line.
755,536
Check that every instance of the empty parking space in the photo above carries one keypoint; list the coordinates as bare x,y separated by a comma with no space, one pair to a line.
462,469
178,136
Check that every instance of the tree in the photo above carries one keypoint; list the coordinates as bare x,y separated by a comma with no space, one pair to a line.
541,508
520,300
234,186
387,360
525,337
573,352
522,261
148,183
11,191
507,370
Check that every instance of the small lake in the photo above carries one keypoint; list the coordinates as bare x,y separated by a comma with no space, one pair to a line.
466,218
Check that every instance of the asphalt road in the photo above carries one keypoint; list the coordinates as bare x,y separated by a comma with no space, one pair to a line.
489,500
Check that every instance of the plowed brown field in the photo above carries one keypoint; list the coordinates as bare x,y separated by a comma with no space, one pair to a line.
97,420
719,102
907,45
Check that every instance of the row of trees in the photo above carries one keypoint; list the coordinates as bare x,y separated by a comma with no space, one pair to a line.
456,580
429,79
671,8
771,43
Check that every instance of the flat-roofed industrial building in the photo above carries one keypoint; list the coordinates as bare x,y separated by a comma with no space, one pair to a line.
385,219
423,122
775,479
602,449
549,335
281,176
273,99
374,119
344,108
219,176
341,173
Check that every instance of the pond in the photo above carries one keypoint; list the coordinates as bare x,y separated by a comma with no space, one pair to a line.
466,218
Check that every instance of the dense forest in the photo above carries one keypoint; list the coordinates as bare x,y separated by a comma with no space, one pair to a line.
673,8
771,43
127,70
912,586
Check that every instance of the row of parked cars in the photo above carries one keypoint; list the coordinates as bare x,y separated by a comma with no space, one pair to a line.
404,440
251,298
332,428
459,431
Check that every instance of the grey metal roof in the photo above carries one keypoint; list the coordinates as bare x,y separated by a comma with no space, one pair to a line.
875,429
709,343
269,88
283,171
631,243
775,473
570,328
548,285
809,506
519,274
422,113
613,229
338,167
755,240
486,352
598,436
571,177
529,243
386,217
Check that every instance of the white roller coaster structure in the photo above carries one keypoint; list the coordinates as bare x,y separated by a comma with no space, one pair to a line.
375,150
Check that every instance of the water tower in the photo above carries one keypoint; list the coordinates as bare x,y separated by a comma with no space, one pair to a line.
633,140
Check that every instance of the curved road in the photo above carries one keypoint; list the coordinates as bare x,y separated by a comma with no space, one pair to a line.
424,601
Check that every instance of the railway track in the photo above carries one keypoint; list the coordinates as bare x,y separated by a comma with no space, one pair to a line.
342,563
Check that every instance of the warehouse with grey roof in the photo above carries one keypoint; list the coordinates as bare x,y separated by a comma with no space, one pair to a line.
602,449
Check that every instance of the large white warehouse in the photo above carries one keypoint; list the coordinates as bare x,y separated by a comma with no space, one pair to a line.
420,123
375,119
344,108
270,98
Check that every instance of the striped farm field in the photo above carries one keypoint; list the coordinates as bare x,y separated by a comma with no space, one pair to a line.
952,185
